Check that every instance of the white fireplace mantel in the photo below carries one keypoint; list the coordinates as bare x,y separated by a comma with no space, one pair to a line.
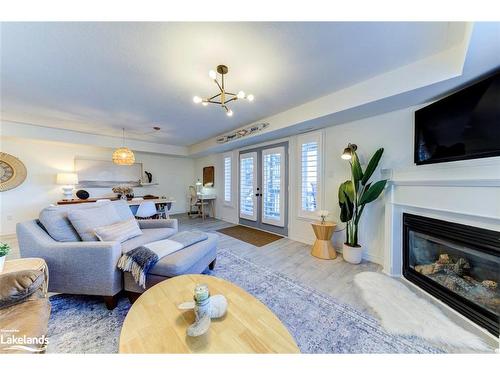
487,182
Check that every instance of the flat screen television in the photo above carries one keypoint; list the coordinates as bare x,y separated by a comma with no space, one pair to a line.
463,125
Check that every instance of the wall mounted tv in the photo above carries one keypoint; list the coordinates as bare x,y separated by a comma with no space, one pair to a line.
464,125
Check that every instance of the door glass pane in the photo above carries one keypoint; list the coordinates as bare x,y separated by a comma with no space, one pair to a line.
272,186
246,186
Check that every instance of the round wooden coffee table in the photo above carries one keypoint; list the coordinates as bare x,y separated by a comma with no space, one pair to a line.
154,324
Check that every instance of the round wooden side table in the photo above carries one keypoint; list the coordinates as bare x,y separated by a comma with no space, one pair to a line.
322,247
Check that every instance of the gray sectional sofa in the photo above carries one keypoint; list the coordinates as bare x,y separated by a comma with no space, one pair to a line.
84,267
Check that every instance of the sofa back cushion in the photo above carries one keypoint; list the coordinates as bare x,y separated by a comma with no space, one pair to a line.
56,223
123,210
121,231
86,221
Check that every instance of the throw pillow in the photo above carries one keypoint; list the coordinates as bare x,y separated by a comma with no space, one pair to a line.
55,221
18,286
120,231
86,221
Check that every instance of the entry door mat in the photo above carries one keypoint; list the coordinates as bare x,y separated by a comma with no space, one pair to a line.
252,236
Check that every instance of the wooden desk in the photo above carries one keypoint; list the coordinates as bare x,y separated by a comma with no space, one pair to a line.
210,198
154,324
155,201
130,202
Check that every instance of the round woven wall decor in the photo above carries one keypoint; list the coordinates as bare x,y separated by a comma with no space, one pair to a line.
12,172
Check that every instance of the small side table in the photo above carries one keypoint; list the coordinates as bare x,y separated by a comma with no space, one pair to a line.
22,264
322,247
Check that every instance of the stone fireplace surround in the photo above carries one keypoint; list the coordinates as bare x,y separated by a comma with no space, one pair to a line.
465,192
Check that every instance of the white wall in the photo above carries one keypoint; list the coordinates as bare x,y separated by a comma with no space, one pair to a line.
44,159
394,132
222,211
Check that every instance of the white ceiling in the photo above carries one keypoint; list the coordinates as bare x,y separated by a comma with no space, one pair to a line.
100,77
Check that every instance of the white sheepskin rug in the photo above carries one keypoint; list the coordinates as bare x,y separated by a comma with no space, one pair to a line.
402,312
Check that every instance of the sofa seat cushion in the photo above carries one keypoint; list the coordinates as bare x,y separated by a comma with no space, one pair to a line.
86,221
147,236
29,319
182,261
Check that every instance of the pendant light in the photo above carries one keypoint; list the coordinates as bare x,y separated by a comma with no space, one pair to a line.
123,155
223,97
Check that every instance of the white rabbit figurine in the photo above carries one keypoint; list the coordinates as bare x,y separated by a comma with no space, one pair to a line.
205,307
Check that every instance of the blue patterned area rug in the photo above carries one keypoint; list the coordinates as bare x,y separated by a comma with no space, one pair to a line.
318,322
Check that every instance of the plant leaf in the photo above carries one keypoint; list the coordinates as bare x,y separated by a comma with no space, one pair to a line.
357,172
346,188
372,165
346,209
372,193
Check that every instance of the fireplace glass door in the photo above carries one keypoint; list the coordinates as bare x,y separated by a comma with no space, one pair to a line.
458,264
467,272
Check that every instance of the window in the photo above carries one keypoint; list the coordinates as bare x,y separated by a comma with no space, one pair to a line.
309,174
227,179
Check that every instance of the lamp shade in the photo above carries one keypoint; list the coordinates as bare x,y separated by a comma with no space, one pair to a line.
346,155
67,179
123,156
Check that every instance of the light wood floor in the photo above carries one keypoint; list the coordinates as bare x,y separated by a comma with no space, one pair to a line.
293,259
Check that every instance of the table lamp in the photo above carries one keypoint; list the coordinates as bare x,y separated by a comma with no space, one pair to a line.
68,180
198,186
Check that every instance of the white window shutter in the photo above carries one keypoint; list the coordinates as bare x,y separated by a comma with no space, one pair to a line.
309,194
309,163
227,179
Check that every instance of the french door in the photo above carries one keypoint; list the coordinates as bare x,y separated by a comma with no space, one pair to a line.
263,188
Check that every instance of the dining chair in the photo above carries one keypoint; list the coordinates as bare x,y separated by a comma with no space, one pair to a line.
146,210
195,202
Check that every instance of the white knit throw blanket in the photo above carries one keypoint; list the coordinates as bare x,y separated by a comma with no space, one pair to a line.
143,258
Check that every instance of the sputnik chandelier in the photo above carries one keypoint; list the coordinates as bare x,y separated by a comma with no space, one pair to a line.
223,97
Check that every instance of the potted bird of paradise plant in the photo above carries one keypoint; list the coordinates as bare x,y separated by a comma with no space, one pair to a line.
354,195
